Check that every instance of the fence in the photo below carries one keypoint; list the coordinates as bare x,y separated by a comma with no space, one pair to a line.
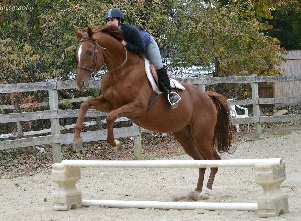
55,138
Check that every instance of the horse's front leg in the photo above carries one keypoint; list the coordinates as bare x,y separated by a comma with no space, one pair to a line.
131,110
98,103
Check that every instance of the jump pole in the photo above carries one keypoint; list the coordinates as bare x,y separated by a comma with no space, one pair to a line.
171,205
171,163
269,173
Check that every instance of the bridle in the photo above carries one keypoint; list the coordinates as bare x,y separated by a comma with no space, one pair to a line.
92,69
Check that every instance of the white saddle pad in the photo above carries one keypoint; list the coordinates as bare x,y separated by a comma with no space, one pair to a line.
173,83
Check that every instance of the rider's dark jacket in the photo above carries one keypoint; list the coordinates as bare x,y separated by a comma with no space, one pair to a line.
136,40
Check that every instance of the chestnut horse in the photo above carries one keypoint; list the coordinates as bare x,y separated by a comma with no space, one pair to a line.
200,121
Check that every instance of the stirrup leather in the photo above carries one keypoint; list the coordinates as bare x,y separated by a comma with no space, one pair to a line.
174,99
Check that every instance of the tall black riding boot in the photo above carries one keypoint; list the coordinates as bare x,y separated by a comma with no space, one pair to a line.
164,85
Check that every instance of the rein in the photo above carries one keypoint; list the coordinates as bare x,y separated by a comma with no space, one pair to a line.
125,60
93,68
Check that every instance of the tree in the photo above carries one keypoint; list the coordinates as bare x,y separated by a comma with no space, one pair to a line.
20,55
230,37
46,27
286,25
261,8
37,40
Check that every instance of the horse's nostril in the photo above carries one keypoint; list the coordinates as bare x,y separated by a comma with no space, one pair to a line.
83,84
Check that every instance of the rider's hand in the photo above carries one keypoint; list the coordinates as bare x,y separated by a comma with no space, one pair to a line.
123,42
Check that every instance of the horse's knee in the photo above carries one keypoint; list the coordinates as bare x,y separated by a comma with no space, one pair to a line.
85,105
111,117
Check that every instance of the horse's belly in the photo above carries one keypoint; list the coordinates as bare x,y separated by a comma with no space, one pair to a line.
162,124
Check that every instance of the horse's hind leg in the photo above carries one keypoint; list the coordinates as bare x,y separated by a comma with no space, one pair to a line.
203,137
213,172
184,137
197,141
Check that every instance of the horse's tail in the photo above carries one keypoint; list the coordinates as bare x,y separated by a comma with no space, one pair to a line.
223,129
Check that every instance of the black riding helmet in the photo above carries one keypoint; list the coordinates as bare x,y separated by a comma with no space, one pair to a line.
114,13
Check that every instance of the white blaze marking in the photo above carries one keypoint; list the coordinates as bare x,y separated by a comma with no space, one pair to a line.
79,53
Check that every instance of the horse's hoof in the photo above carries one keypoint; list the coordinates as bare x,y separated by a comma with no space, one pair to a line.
205,194
77,145
197,196
118,145
206,191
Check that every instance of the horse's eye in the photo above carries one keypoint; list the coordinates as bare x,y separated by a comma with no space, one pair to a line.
89,53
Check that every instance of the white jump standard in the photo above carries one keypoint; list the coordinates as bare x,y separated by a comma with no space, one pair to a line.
270,173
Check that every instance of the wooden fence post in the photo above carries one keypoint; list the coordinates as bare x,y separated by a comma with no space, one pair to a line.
17,103
19,129
256,107
55,125
202,85
137,147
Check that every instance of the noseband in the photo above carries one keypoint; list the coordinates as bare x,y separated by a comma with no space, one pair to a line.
92,70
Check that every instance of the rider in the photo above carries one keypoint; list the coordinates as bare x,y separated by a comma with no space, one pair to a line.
138,41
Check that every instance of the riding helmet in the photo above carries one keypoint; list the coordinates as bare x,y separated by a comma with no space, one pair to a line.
114,13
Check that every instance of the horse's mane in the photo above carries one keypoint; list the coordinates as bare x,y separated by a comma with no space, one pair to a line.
113,31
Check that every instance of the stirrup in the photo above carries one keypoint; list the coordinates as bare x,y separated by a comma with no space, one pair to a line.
174,99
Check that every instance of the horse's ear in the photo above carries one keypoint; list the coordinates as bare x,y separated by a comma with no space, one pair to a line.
78,34
90,32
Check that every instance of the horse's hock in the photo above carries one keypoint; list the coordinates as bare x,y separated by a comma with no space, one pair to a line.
269,173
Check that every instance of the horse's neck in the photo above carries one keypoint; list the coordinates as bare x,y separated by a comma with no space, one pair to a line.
129,68
128,81
119,58
116,56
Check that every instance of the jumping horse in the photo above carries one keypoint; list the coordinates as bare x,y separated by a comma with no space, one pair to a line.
200,123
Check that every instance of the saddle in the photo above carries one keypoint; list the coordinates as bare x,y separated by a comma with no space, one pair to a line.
152,76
